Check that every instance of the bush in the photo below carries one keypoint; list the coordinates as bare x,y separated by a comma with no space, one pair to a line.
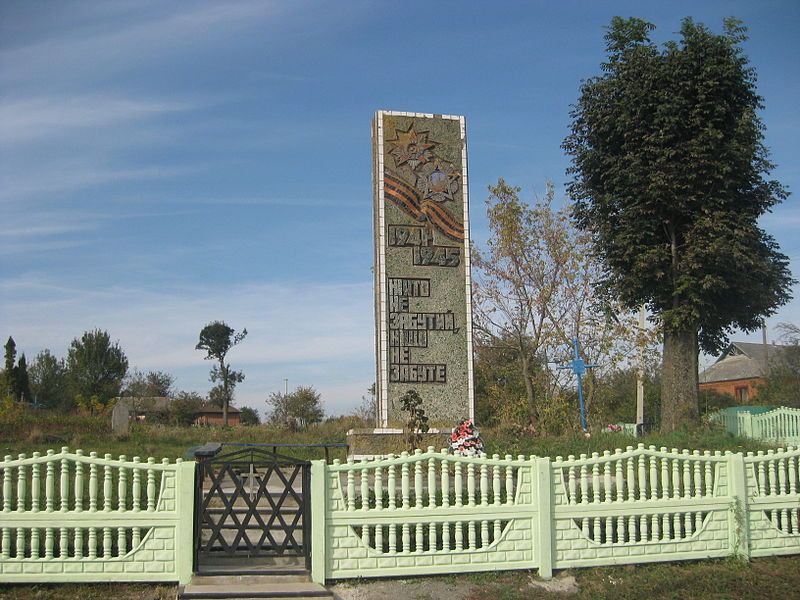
297,410
249,416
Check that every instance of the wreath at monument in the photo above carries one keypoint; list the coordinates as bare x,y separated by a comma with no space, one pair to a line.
465,440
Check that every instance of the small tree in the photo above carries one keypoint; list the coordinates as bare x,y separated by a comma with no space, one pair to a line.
22,379
417,422
217,339
782,381
184,408
297,410
152,384
532,295
96,366
48,378
9,380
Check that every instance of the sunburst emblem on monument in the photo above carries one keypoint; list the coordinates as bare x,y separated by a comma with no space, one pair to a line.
411,147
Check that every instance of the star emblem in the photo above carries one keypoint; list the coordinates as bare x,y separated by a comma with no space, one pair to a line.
441,183
411,147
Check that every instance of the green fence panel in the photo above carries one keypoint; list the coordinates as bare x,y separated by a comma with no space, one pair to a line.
430,513
640,505
72,517
773,496
780,425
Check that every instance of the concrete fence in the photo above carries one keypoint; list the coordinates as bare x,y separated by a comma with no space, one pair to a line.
781,425
433,513
69,517
427,513
72,517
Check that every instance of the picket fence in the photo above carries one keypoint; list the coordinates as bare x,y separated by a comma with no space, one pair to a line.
780,425
433,512
69,517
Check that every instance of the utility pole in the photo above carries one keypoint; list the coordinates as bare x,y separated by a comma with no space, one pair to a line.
640,376
286,387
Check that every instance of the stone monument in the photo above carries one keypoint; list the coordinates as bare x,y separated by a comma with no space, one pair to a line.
423,307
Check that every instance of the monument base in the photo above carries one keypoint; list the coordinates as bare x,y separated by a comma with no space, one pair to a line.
364,443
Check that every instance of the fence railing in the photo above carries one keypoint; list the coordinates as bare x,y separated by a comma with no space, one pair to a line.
778,425
76,517
430,513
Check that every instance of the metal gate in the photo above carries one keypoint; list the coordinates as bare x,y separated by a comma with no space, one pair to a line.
252,503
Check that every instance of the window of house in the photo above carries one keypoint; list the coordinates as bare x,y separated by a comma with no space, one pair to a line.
741,394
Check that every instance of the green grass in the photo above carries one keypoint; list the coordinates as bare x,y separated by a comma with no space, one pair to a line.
511,442
97,591
40,430
766,578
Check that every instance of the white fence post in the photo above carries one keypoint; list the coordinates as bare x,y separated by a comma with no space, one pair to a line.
319,533
185,498
746,426
543,537
739,519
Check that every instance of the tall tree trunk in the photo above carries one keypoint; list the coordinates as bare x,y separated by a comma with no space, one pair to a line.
679,380
530,391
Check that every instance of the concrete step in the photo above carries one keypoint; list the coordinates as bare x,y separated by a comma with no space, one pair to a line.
277,576
255,577
252,591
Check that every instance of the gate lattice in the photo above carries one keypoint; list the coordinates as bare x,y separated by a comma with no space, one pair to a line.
252,503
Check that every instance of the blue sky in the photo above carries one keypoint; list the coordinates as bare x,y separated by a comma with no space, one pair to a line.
165,164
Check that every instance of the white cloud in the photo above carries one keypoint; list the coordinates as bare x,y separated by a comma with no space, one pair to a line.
123,40
32,118
336,203
87,170
314,334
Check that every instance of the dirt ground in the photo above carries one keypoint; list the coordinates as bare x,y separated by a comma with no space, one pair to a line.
449,588
402,589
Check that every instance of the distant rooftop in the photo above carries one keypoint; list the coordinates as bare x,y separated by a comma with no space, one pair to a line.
743,360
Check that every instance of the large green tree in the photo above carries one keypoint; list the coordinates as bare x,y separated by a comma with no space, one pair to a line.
96,366
217,339
670,177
